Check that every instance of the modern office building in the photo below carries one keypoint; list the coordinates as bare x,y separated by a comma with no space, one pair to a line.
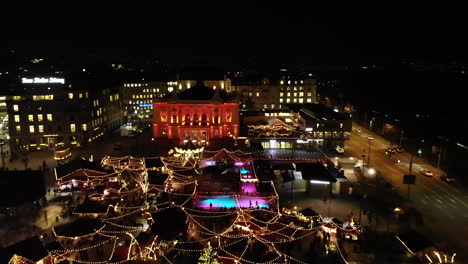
45,112
275,94
196,115
138,97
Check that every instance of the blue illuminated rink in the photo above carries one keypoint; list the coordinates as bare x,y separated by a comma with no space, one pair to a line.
230,201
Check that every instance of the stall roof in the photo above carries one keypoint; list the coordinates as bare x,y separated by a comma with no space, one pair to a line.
315,171
153,162
77,164
79,227
308,212
337,174
31,248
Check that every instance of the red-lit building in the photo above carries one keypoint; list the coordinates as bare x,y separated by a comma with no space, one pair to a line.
198,115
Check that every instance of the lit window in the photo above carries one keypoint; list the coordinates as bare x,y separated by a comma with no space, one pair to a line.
117,97
309,94
16,98
18,129
281,82
295,88
188,85
289,82
80,95
301,94
281,100
295,94
265,106
17,118
250,93
15,108
288,100
281,94
272,106
295,100
111,98
70,95
301,100
170,89
133,96
222,85
288,94
86,94
49,117
302,81
309,100
300,88
41,129
31,118
31,129
72,128
258,94
39,117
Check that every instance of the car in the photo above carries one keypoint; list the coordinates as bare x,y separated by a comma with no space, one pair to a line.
390,150
427,173
447,178
358,130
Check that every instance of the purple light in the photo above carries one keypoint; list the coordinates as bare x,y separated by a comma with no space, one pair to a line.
249,187
238,163
247,176
229,201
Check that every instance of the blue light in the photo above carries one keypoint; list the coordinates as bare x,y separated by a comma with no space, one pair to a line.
143,105
244,171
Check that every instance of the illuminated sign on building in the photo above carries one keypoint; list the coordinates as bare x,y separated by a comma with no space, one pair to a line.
43,80
143,105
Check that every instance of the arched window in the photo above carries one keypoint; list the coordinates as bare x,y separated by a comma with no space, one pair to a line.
174,119
204,119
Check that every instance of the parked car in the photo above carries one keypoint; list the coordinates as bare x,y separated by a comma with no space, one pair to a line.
427,173
447,178
399,149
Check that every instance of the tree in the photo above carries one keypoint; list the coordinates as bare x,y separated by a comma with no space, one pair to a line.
209,256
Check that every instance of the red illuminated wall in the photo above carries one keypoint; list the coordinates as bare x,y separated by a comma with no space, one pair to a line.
196,122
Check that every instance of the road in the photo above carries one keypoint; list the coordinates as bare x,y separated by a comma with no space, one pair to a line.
443,206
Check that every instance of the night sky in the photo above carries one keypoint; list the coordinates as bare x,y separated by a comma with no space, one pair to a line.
241,34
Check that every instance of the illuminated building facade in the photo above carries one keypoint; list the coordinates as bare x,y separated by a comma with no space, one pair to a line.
138,97
49,112
196,115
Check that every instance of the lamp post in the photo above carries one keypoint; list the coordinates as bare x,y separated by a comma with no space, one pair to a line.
2,142
401,138
368,152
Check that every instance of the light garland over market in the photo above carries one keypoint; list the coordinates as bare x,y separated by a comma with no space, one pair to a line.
238,219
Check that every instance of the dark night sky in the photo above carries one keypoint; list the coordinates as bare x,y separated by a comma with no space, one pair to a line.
262,33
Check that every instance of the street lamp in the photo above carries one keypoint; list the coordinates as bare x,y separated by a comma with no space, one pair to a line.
2,142
401,138
368,152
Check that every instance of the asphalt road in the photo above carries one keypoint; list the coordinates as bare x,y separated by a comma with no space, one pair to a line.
443,206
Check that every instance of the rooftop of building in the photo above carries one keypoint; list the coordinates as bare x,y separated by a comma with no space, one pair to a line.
318,112
199,92
31,248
